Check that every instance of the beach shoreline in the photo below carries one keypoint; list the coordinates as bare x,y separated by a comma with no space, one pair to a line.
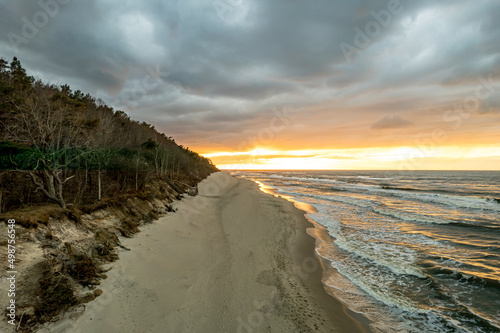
232,259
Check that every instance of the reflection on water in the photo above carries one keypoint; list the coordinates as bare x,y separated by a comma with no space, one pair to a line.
299,204
416,251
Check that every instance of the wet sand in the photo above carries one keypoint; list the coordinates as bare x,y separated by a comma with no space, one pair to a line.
232,259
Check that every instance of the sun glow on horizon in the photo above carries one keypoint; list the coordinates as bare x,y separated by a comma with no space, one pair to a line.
389,158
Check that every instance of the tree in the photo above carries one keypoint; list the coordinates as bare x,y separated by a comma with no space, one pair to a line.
53,132
4,66
101,149
99,158
18,75
137,163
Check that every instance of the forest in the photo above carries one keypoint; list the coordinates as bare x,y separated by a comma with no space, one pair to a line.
67,147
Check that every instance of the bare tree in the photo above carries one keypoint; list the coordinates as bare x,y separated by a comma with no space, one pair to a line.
42,120
99,157
101,150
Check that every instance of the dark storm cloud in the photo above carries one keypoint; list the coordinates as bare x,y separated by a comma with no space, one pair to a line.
209,69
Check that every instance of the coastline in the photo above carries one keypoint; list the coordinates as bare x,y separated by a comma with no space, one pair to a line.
320,236
218,264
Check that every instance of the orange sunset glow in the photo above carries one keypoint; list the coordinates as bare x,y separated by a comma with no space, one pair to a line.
397,158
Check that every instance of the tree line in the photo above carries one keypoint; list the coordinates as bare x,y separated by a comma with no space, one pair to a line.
65,146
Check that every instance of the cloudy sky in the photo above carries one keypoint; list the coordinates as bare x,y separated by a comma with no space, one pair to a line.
283,83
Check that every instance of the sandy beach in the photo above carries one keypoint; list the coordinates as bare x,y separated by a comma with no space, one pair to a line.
232,259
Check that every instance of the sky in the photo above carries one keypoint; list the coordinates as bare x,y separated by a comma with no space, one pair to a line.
283,84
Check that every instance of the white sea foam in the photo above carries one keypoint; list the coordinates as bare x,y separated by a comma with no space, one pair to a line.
374,178
307,179
450,200
411,217
443,199
387,245
379,247
339,198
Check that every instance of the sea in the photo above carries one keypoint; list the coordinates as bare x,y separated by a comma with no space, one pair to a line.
412,251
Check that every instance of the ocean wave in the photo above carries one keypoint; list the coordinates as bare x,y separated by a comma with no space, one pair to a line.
366,177
410,217
384,312
469,202
452,191
399,260
440,317
464,277
337,198
389,187
420,218
482,323
343,184
275,176
449,200
306,179
476,226
374,178
494,200
376,283
402,263
376,207
408,193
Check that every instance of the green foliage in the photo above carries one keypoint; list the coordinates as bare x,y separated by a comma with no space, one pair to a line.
149,144
15,156
55,134
19,76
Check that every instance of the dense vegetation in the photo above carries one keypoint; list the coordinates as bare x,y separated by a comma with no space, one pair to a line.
65,146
